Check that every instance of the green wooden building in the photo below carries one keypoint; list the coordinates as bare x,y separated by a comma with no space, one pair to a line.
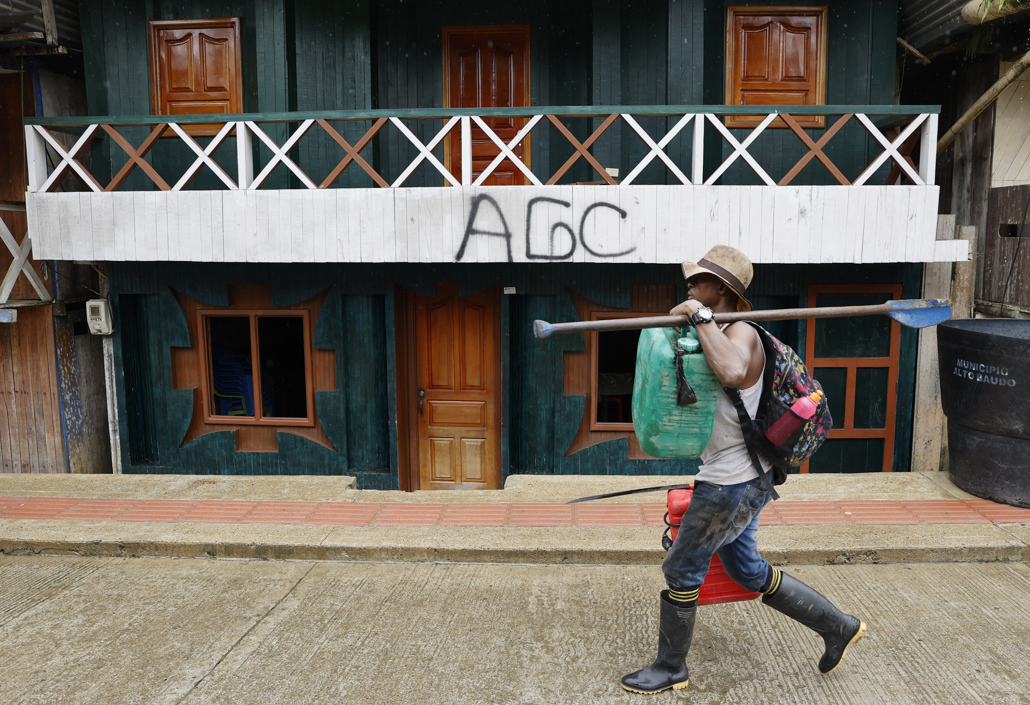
328,227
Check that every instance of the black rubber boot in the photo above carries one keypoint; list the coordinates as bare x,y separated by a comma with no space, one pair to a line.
669,670
800,602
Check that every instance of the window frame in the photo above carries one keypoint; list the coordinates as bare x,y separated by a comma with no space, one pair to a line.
732,93
593,343
258,419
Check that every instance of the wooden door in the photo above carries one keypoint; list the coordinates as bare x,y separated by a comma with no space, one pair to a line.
776,56
487,67
195,67
457,402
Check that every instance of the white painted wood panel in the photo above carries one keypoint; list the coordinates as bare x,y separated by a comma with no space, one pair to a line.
640,224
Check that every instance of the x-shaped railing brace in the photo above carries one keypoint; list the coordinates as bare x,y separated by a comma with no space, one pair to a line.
740,149
137,157
69,159
890,149
20,265
815,149
353,153
582,149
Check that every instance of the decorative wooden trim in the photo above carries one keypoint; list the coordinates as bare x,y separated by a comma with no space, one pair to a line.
190,369
821,12
579,367
852,364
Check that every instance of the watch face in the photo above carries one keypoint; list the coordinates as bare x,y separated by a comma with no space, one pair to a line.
704,314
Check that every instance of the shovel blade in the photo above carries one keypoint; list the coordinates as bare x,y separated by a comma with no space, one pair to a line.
920,314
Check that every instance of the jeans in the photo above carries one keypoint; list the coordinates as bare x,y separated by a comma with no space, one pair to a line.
721,519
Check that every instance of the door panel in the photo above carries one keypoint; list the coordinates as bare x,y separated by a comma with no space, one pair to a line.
487,67
196,68
458,366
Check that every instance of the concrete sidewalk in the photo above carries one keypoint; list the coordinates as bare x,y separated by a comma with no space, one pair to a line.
821,519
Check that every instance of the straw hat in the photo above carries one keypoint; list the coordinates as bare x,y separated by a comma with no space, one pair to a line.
728,264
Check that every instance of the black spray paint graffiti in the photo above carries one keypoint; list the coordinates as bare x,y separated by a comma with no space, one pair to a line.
573,239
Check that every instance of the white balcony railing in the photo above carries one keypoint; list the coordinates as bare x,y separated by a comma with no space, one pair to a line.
874,201
904,129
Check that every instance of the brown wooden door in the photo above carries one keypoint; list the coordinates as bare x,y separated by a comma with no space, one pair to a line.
487,67
458,386
195,66
777,56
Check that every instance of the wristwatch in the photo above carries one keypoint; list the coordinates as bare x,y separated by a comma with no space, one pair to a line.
702,315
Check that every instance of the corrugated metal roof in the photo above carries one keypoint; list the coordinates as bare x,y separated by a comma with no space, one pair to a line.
66,12
923,22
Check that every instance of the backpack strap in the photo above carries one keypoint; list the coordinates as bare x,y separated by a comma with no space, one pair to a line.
747,427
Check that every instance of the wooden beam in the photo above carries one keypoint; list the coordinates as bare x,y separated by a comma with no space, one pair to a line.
984,101
15,37
49,22
529,111
928,425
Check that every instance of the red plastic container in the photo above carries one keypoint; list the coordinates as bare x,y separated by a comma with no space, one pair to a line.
718,587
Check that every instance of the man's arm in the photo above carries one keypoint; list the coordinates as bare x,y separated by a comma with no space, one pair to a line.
729,354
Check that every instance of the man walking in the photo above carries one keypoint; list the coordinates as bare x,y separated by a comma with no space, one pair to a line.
729,491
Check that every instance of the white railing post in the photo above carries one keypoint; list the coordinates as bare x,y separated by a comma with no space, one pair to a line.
35,154
928,150
244,156
466,151
697,175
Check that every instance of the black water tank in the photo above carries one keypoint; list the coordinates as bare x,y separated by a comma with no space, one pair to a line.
985,392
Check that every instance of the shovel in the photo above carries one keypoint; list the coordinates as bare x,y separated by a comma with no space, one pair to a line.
914,313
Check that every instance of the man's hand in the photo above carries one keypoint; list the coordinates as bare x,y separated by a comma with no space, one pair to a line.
687,308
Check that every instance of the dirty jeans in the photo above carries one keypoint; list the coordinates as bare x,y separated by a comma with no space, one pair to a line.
721,519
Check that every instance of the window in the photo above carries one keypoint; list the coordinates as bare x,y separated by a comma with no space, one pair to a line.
252,356
603,372
195,68
776,55
613,359
253,368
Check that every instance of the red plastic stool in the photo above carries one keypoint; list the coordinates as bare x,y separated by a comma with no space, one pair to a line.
718,587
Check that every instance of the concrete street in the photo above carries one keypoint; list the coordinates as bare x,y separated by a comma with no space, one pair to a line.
161,630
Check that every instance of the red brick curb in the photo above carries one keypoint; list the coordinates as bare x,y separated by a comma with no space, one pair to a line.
781,513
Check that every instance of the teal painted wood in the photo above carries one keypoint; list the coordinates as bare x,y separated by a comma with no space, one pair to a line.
644,37
357,322
441,113
364,368
333,70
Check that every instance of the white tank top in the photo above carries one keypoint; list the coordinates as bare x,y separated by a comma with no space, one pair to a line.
725,460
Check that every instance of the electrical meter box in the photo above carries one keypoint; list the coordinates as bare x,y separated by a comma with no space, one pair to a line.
98,314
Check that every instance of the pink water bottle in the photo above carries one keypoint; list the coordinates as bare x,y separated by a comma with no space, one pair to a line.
800,412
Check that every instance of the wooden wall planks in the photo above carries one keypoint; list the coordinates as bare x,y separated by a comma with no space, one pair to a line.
357,322
31,439
642,224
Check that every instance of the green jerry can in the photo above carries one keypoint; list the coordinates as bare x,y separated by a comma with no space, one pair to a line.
664,428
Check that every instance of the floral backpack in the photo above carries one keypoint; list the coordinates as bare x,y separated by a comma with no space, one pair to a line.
785,380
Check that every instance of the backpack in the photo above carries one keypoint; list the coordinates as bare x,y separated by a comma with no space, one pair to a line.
784,381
